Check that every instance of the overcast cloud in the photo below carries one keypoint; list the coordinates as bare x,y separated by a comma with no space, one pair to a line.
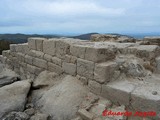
79,16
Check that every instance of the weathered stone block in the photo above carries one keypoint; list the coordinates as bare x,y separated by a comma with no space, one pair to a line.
16,62
62,48
32,43
118,91
78,51
85,68
20,57
85,114
95,87
48,58
9,64
2,59
37,54
84,80
13,47
6,53
22,48
69,68
33,69
144,99
40,63
147,51
99,54
57,61
28,59
104,71
49,47
70,59
54,68
39,44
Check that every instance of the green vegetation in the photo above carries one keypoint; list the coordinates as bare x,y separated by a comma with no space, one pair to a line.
4,45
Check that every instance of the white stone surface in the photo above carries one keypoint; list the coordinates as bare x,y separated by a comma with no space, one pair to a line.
40,63
57,61
78,51
54,68
69,68
95,87
104,71
85,68
49,47
118,91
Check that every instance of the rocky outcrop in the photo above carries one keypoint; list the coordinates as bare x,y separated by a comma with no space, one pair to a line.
13,97
65,97
112,38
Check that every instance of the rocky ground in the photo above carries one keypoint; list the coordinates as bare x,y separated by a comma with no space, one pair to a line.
51,97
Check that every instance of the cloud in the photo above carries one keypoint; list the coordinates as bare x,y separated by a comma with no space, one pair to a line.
57,16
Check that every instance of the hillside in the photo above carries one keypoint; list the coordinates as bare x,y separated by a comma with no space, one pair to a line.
22,38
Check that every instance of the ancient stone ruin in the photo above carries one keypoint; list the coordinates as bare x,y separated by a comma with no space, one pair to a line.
119,72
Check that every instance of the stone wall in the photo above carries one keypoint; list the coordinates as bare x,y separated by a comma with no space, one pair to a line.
94,63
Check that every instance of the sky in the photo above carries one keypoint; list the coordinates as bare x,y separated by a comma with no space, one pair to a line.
79,16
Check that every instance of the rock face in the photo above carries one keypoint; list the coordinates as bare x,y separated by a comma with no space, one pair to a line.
113,38
61,101
13,97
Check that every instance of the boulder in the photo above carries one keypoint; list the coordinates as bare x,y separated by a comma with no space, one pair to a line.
45,78
62,100
13,97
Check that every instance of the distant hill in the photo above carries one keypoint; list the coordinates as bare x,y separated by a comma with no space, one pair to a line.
84,36
22,38
4,45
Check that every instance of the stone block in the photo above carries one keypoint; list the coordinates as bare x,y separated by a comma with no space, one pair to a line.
23,65
22,48
13,47
78,51
99,54
32,43
118,91
85,68
69,68
37,54
2,59
146,97
95,87
54,68
20,57
25,48
48,57
104,71
40,63
85,114
57,61
49,47
16,62
9,64
34,69
28,59
39,44
147,51
84,80
6,53
62,48
70,59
